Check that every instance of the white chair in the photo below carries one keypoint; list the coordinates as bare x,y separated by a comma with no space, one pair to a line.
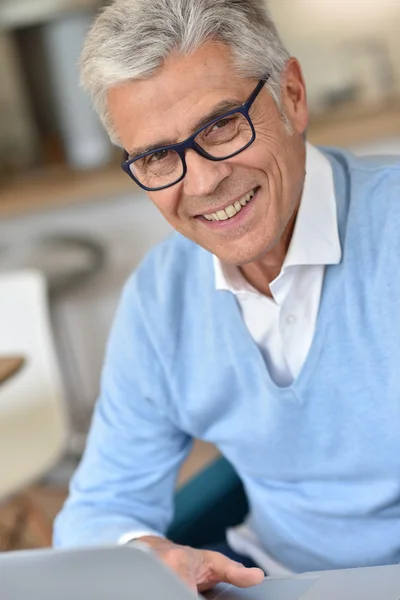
33,419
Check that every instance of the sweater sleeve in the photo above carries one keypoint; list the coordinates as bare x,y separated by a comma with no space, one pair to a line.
126,479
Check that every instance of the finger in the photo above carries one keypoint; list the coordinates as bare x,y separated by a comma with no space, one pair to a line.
241,576
228,571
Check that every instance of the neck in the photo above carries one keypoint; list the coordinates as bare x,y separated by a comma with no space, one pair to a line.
260,273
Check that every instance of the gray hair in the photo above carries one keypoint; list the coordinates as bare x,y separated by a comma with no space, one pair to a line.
130,39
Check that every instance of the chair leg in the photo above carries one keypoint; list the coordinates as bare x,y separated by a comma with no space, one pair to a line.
37,521
27,515
13,538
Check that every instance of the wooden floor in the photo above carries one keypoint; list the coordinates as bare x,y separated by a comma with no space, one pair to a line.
50,500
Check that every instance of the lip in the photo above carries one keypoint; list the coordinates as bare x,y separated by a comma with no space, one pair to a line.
233,221
224,206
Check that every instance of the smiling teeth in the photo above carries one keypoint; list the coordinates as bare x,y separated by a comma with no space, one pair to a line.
231,210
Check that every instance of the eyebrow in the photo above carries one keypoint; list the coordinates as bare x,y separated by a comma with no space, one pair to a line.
220,109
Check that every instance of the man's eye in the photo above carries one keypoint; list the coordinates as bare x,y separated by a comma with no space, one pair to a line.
220,124
158,156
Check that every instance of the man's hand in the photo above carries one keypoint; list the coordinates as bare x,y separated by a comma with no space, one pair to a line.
202,569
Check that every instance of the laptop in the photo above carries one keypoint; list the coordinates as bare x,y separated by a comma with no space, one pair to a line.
372,583
134,573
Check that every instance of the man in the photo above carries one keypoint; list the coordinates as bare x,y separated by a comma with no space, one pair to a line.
268,325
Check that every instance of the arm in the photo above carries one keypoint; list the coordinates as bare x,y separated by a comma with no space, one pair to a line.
126,479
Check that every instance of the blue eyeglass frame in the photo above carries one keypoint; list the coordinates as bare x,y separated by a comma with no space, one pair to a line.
190,143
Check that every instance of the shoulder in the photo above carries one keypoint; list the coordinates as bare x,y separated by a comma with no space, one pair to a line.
368,199
375,172
366,171
367,184
171,270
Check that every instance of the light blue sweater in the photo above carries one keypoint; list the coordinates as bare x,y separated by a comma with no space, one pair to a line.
320,459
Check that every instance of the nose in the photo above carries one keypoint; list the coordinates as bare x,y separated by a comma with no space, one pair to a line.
204,176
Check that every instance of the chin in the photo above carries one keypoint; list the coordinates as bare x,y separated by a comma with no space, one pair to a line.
247,252
243,257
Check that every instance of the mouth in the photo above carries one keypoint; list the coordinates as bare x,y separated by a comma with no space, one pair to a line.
230,211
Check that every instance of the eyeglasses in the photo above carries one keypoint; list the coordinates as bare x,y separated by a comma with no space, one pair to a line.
222,138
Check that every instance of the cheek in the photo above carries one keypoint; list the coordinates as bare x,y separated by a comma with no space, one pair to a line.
268,163
166,201
257,157
280,171
278,155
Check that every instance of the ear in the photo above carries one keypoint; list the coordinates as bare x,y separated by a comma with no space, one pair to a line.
295,96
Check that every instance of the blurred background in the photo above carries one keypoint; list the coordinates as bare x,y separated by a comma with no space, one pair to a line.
73,226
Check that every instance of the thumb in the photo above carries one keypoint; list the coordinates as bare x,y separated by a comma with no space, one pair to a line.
243,577
228,571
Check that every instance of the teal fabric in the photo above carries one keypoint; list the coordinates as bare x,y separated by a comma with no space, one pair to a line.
319,459
207,505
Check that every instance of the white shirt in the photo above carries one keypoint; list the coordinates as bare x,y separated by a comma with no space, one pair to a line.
283,326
